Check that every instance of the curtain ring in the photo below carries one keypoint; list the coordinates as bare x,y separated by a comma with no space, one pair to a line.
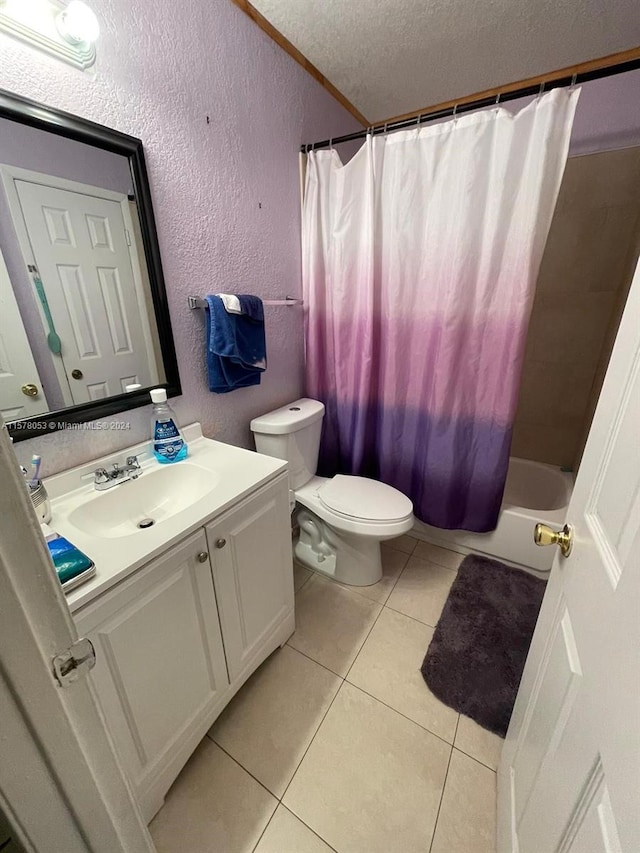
574,80
455,110
498,99
541,90
419,118
386,124
331,144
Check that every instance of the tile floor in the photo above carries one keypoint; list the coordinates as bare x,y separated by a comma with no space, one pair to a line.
336,743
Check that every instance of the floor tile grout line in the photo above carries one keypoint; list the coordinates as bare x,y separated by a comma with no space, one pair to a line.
213,740
242,767
350,588
444,785
410,719
315,734
297,817
473,758
313,660
324,716
373,625
265,829
343,679
408,535
305,581
437,565
402,613
310,828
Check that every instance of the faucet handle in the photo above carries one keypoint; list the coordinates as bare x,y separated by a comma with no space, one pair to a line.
100,475
132,462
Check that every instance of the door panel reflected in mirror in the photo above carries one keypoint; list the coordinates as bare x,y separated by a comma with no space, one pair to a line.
78,324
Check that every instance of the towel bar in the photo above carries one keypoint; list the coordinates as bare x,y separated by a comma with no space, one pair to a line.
197,302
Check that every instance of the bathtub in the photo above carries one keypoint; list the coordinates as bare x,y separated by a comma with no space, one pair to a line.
533,492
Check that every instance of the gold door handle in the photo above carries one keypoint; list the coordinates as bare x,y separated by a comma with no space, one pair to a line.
30,390
545,535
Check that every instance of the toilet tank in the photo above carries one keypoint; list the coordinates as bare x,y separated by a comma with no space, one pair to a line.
292,433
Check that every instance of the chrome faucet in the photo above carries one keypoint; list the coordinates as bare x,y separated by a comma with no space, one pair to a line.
104,479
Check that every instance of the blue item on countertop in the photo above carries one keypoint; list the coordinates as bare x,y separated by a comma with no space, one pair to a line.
167,441
236,345
69,562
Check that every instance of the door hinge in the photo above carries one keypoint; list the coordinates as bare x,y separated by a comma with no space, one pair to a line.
76,661
128,236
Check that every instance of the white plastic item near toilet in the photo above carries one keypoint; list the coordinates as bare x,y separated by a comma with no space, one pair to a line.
342,519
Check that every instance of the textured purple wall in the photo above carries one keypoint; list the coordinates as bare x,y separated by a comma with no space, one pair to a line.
607,116
226,193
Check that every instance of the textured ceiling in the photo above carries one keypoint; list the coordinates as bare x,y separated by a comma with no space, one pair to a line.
390,57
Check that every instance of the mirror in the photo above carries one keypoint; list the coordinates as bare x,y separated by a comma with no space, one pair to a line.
84,324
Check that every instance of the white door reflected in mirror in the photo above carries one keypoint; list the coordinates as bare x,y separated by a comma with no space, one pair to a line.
80,243
78,320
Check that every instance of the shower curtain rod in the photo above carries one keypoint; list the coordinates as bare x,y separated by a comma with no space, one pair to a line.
479,103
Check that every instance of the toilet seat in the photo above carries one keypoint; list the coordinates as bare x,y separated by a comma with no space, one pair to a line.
383,528
364,499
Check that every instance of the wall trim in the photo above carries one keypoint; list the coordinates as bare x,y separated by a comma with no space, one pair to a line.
300,58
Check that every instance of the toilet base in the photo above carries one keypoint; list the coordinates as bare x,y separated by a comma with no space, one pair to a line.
346,558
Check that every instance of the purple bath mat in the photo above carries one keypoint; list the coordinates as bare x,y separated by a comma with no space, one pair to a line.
475,660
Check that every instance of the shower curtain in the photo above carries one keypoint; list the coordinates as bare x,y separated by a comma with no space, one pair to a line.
420,258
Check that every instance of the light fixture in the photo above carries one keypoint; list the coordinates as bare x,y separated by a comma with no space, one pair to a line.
78,24
66,30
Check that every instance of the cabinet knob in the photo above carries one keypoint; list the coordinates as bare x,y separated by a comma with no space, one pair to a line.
220,543
203,557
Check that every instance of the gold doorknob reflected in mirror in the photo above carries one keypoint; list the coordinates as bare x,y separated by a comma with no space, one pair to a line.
30,390
545,535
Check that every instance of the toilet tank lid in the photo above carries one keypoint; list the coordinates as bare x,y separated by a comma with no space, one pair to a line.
289,418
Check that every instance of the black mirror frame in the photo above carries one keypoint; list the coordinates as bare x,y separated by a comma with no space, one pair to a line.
37,115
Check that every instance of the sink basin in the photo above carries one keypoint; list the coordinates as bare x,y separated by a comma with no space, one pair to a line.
153,497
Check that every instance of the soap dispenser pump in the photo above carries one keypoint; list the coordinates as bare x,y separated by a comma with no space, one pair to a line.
167,440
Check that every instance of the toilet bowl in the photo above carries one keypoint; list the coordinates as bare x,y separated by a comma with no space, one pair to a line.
342,519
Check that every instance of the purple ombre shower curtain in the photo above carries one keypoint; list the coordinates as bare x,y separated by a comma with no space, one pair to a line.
420,258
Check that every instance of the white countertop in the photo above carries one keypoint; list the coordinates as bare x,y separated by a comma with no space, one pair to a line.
238,473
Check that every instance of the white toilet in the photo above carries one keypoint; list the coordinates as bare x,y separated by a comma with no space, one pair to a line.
343,519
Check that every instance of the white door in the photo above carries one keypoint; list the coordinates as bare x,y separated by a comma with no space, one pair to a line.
80,246
61,786
17,367
569,779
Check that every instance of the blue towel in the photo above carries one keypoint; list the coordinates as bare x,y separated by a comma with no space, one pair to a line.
236,346
251,306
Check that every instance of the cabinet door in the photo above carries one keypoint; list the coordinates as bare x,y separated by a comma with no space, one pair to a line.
252,563
160,665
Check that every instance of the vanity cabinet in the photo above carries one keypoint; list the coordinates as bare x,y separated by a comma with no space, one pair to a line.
160,663
247,548
177,638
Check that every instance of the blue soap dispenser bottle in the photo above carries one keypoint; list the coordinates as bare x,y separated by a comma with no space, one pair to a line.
167,440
